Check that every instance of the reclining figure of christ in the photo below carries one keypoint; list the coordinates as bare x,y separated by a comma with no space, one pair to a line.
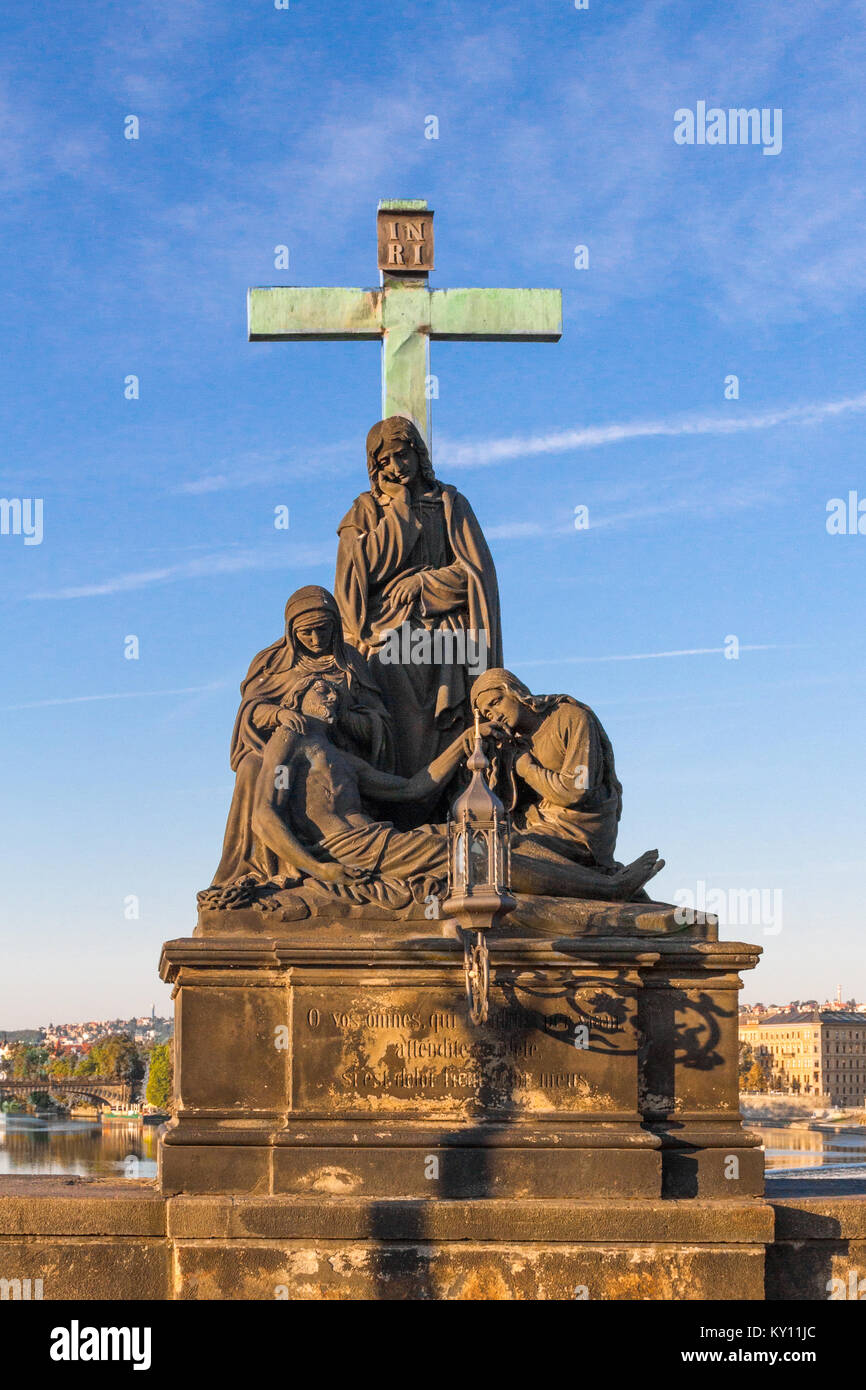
308,811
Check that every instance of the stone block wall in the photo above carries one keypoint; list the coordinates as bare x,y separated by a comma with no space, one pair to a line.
92,1240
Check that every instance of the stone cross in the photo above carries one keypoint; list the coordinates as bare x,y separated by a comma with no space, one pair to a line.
404,314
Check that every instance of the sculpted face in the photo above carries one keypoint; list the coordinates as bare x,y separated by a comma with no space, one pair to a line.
316,635
321,701
500,707
398,462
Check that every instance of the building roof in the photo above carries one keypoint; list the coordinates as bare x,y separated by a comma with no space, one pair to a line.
812,1016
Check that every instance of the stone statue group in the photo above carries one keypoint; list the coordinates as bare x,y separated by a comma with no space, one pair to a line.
353,728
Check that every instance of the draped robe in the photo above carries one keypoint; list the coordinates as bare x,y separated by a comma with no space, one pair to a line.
270,679
435,536
572,802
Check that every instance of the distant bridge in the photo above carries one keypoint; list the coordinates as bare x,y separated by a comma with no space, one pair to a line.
103,1090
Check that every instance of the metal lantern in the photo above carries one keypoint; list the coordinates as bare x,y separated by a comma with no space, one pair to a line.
479,874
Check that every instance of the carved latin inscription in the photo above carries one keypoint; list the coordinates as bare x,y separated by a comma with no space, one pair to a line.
404,1049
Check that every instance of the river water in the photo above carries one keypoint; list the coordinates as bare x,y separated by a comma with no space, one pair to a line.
787,1147
121,1149
80,1148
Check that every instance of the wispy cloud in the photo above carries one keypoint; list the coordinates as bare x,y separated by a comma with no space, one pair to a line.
490,451
654,656
262,467
202,568
525,530
213,482
116,695
758,243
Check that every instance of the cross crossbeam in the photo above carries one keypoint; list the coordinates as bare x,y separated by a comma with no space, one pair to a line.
405,315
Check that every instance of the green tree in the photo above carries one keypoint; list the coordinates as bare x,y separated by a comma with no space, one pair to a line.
119,1057
87,1066
60,1066
29,1063
747,1058
755,1079
160,1082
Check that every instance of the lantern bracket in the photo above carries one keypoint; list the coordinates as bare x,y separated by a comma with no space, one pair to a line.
476,970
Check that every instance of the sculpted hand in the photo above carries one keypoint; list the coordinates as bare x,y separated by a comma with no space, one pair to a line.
332,873
485,729
265,716
499,733
292,719
407,590
394,488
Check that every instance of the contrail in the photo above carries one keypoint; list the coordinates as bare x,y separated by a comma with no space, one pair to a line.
230,562
653,656
592,436
117,695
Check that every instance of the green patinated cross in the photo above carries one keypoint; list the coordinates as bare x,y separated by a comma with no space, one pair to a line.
404,314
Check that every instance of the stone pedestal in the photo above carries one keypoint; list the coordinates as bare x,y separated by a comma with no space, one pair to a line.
336,1060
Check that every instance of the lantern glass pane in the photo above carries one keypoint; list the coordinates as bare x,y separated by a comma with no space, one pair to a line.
459,857
478,858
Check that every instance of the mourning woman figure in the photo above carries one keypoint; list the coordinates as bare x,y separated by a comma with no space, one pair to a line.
414,573
557,766
312,644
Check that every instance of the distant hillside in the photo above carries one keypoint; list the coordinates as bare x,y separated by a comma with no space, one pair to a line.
25,1035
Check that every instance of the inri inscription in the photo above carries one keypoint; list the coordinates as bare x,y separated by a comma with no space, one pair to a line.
405,241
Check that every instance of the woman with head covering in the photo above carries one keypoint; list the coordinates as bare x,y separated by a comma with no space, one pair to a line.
313,644
557,764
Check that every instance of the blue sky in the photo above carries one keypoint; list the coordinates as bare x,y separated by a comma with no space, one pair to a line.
261,127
